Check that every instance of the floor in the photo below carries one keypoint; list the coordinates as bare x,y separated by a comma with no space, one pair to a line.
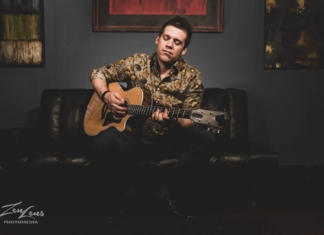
296,223
294,207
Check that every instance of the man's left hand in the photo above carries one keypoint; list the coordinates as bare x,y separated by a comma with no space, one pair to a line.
159,116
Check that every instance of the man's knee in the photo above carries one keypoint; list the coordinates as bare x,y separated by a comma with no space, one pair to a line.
105,140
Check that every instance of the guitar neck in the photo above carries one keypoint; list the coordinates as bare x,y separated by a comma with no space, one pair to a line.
149,110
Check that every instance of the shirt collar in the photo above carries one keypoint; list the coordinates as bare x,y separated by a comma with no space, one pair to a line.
177,66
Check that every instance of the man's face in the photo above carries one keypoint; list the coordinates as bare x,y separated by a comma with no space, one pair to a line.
170,46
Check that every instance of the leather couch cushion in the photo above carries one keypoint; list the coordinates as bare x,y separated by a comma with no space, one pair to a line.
50,109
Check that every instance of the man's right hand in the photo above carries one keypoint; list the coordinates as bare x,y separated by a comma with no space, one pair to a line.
114,102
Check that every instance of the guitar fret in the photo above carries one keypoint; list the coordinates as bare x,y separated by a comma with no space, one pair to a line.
149,110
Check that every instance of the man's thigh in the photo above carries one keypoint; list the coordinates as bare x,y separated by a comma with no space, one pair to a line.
113,145
125,145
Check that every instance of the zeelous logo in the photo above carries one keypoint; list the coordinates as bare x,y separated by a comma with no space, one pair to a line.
21,213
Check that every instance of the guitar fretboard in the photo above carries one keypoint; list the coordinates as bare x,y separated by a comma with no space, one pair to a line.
149,110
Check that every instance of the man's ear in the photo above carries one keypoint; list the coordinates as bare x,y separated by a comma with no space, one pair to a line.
184,51
157,40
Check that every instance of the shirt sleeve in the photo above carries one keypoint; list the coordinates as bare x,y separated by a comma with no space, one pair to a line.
195,91
120,71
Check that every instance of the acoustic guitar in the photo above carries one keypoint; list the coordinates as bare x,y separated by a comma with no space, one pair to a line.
99,117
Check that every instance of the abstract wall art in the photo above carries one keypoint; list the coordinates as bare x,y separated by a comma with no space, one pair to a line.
22,33
294,34
149,15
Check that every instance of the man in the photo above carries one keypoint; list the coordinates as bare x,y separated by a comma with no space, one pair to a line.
171,83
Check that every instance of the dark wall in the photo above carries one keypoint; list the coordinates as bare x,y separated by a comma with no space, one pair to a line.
285,107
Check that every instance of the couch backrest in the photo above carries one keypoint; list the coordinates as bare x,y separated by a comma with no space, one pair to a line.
62,113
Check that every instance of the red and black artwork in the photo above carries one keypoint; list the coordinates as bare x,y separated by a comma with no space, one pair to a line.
149,15
294,34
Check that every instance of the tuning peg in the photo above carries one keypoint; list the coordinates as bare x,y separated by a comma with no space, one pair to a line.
218,131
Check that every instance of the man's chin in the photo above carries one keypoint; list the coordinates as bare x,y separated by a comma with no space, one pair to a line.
166,59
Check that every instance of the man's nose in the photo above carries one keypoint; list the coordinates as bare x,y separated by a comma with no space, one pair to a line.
169,43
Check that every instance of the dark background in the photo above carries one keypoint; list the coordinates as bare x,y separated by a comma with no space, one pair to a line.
285,106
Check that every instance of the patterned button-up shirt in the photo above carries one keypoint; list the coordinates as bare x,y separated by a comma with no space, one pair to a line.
182,87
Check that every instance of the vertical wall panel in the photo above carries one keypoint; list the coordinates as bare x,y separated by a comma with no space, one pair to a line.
77,43
61,44
47,74
94,48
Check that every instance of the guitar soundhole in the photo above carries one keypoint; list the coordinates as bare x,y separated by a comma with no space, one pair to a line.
110,119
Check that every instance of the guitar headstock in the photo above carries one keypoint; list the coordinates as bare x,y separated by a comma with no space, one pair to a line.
209,117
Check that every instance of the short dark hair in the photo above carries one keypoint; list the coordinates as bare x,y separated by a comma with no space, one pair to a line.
180,23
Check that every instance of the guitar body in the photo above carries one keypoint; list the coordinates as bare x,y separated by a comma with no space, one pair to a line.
95,120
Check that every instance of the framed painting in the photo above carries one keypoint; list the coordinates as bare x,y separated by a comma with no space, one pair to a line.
294,34
150,15
22,33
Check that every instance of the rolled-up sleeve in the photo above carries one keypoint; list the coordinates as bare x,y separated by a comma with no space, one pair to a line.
119,71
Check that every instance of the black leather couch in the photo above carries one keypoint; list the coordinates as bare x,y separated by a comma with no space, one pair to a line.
52,166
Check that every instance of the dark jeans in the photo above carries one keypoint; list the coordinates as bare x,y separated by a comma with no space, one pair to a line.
120,153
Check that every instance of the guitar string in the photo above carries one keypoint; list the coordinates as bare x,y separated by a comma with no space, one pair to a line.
143,110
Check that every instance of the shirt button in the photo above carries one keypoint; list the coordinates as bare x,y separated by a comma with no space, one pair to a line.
158,89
